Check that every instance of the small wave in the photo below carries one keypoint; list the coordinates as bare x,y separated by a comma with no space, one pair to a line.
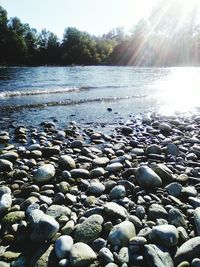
68,102
9,94
37,92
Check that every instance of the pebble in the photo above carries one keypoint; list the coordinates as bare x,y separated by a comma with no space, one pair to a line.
63,246
45,173
81,255
147,178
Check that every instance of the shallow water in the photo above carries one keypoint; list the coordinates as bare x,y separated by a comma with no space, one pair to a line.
34,94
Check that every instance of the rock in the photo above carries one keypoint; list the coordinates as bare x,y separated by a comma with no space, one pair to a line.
117,192
56,211
154,256
174,189
147,178
5,190
114,167
194,201
10,156
172,149
195,262
100,161
13,217
79,173
106,256
96,188
45,229
123,256
45,173
114,210
122,233
197,220
66,162
126,130
63,246
157,211
5,202
166,235
165,128
153,149
163,172
81,255
5,165
176,218
97,172
188,251
90,229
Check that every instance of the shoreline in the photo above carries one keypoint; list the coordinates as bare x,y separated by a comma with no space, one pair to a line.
80,197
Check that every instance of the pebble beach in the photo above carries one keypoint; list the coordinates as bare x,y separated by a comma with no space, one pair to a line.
80,196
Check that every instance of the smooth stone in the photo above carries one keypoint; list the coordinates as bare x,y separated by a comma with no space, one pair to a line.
154,256
123,256
101,161
90,229
147,178
165,127
63,246
10,156
79,173
42,257
166,235
188,250
117,192
172,149
5,202
5,190
66,162
197,220
114,210
114,167
5,165
34,216
195,262
56,211
81,255
189,191
4,264
194,201
174,189
13,217
122,233
163,172
153,149
45,173
105,255
96,188
97,172
176,218
157,211
45,229
126,130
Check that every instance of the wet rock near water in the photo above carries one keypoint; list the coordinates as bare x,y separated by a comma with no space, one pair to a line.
80,197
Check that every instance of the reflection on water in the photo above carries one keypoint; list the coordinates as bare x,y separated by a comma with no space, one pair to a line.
84,93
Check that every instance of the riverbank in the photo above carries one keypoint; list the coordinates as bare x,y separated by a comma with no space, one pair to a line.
78,196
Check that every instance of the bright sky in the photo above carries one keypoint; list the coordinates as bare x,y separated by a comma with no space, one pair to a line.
94,16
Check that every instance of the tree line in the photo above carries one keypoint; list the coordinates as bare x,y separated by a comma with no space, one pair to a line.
160,40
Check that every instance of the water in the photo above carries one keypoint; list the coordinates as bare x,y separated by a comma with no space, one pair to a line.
34,94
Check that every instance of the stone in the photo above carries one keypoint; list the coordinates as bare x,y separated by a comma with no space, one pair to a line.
154,256
56,211
105,255
123,256
5,190
42,257
122,233
97,172
10,156
176,218
90,229
114,167
153,149
126,130
157,211
117,192
13,217
165,128
163,172
197,220
45,173
195,262
172,149
63,246
194,201
5,165
81,255
188,250
114,210
79,173
45,229
174,189
96,188
66,162
5,202
166,235
147,178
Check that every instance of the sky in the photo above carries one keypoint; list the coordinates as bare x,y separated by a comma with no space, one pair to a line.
94,16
